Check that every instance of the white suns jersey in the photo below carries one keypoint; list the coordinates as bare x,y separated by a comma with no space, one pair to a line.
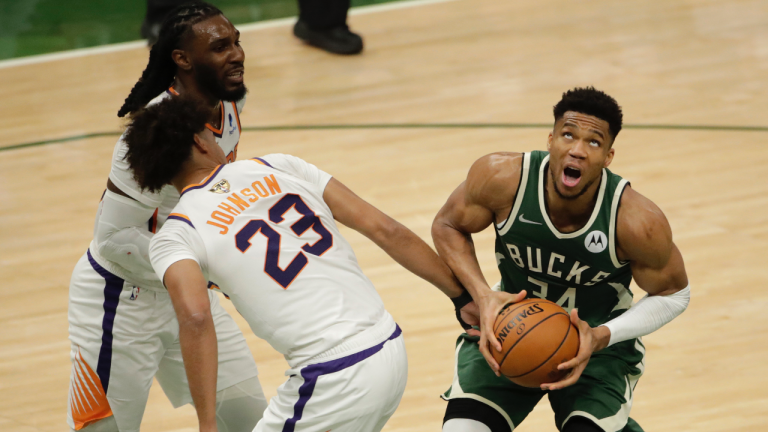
264,236
227,136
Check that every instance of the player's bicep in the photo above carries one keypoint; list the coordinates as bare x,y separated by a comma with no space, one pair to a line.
187,288
463,212
645,240
351,210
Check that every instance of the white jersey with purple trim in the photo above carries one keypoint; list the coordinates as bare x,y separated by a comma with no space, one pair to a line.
261,231
121,175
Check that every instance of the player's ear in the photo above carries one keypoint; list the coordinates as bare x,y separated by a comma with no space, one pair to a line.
181,59
609,158
549,141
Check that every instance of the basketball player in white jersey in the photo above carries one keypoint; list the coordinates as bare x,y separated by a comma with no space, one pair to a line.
263,232
122,325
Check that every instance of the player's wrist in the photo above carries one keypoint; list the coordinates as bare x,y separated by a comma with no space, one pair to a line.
601,337
461,300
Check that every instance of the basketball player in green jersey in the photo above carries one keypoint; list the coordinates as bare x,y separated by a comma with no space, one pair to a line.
570,231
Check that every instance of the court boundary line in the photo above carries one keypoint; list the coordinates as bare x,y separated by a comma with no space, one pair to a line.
247,27
710,128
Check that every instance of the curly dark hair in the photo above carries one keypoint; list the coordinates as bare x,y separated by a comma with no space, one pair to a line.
161,69
160,139
587,100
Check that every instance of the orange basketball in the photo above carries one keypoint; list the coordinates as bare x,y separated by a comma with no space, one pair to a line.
536,335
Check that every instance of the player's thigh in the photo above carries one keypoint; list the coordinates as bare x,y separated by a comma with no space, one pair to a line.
236,363
116,347
360,398
473,379
604,392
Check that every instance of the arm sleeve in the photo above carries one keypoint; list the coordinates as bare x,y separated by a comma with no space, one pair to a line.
648,315
176,241
299,168
122,177
121,235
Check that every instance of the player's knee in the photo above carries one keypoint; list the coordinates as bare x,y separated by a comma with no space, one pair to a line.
107,424
581,424
469,415
240,407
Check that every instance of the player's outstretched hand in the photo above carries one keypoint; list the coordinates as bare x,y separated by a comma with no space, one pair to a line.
590,340
490,306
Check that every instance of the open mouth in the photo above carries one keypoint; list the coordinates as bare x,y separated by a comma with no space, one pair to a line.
571,176
236,76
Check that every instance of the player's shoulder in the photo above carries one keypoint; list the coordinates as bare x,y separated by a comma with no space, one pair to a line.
641,225
496,176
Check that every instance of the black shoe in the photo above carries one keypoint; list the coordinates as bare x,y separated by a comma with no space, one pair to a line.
338,40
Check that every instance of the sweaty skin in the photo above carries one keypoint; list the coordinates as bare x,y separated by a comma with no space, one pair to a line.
578,142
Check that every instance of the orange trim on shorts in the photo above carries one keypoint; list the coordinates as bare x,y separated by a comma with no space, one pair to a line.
88,401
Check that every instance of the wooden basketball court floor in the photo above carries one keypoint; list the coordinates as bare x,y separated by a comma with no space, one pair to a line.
462,63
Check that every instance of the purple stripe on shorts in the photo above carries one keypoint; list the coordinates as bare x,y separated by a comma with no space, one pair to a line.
112,290
312,372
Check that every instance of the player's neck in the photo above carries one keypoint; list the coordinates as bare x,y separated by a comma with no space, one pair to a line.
187,86
193,173
569,215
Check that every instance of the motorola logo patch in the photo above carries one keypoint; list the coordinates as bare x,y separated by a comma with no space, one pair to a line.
596,241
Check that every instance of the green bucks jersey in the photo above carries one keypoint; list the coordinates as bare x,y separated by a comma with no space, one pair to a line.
575,270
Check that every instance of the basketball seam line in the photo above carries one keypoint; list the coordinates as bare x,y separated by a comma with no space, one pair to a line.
526,334
552,355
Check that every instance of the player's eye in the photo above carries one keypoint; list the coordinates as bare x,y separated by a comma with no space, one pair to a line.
567,135
594,143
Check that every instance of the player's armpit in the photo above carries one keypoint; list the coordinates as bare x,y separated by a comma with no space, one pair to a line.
644,238
188,290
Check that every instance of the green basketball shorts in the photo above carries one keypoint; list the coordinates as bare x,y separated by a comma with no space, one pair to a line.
603,393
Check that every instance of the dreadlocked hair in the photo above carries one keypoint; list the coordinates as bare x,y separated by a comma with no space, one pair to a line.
161,69
160,138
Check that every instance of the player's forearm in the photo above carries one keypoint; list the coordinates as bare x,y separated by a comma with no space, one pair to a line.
197,337
648,315
410,251
458,251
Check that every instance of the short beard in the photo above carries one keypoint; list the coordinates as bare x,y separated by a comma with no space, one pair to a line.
208,81
569,198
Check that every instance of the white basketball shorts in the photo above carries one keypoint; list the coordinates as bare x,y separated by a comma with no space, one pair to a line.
356,393
122,336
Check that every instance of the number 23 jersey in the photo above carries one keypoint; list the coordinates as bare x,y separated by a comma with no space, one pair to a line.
263,235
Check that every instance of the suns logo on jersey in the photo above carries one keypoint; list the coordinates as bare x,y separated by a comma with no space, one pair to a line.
221,187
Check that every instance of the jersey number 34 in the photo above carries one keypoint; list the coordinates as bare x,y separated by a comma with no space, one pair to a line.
308,220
